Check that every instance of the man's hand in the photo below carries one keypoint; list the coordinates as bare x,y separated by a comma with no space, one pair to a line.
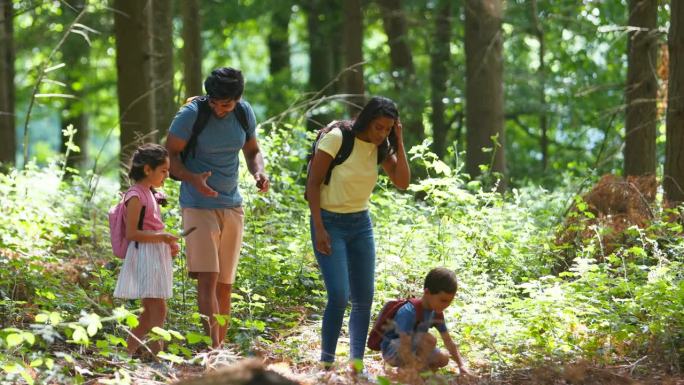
199,182
262,182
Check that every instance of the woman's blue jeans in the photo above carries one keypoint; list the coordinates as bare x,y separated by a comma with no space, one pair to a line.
348,272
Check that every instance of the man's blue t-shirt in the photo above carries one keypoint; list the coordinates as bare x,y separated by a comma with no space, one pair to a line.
405,320
217,150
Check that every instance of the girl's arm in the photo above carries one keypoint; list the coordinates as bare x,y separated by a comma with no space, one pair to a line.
319,167
133,208
455,354
396,166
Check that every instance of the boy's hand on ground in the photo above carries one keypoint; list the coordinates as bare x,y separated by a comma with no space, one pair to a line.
465,372
199,182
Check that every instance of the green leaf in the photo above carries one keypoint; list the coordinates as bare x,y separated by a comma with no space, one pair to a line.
14,339
194,338
36,363
162,333
176,335
80,336
41,318
29,337
170,357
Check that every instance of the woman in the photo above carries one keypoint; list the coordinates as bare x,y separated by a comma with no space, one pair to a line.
341,229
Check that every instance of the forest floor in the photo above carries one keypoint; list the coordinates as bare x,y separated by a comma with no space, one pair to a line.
297,360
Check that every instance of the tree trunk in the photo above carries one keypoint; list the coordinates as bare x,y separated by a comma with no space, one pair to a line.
439,74
541,75
192,48
133,70
321,64
279,55
75,48
673,179
162,65
353,55
278,45
8,144
641,90
484,87
401,59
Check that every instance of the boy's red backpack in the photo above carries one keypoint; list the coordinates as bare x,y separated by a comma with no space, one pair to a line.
386,315
117,223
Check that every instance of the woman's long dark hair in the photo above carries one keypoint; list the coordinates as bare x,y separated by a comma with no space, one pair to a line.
377,107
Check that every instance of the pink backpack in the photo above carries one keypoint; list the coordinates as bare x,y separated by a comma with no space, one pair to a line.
117,223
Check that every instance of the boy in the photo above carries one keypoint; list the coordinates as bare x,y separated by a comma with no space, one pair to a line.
409,344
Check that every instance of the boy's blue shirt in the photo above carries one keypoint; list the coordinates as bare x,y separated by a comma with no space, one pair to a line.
217,150
405,320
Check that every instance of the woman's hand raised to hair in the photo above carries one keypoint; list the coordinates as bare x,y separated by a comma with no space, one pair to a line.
399,130
199,182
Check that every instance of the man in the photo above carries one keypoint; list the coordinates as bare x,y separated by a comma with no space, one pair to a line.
210,199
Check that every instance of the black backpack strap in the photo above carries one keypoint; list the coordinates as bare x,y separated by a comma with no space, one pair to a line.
241,115
203,114
344,151
140,222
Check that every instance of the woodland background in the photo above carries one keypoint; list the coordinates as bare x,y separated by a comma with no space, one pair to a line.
546,140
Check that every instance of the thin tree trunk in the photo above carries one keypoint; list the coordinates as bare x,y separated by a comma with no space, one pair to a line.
353,55
279,55
278,45
8,139
439,74
541,75
320,58
401,58
673,179
484,87
192,48
75,48
133,70
642,88
162,64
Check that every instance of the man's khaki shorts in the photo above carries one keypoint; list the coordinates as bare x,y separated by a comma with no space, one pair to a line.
214,247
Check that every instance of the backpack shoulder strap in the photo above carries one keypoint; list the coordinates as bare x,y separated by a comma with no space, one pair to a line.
203,114
346,147
418,305
241,115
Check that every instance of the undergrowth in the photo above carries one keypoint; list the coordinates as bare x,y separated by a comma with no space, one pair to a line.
515,307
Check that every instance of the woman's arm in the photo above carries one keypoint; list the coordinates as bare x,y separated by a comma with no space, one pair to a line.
396,166
319,167
133,209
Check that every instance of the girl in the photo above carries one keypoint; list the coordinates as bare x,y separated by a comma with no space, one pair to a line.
146,272
341,229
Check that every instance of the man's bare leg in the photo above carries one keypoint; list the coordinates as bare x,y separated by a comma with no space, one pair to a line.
223,292
208,305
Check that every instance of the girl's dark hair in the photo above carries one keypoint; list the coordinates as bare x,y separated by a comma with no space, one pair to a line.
149,154
441,279
225,83
377,107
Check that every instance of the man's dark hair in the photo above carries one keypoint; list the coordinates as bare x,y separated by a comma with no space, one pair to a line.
225,83
441,279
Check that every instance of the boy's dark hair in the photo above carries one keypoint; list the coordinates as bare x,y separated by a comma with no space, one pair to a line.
148,154
441,279
225,83
378,106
